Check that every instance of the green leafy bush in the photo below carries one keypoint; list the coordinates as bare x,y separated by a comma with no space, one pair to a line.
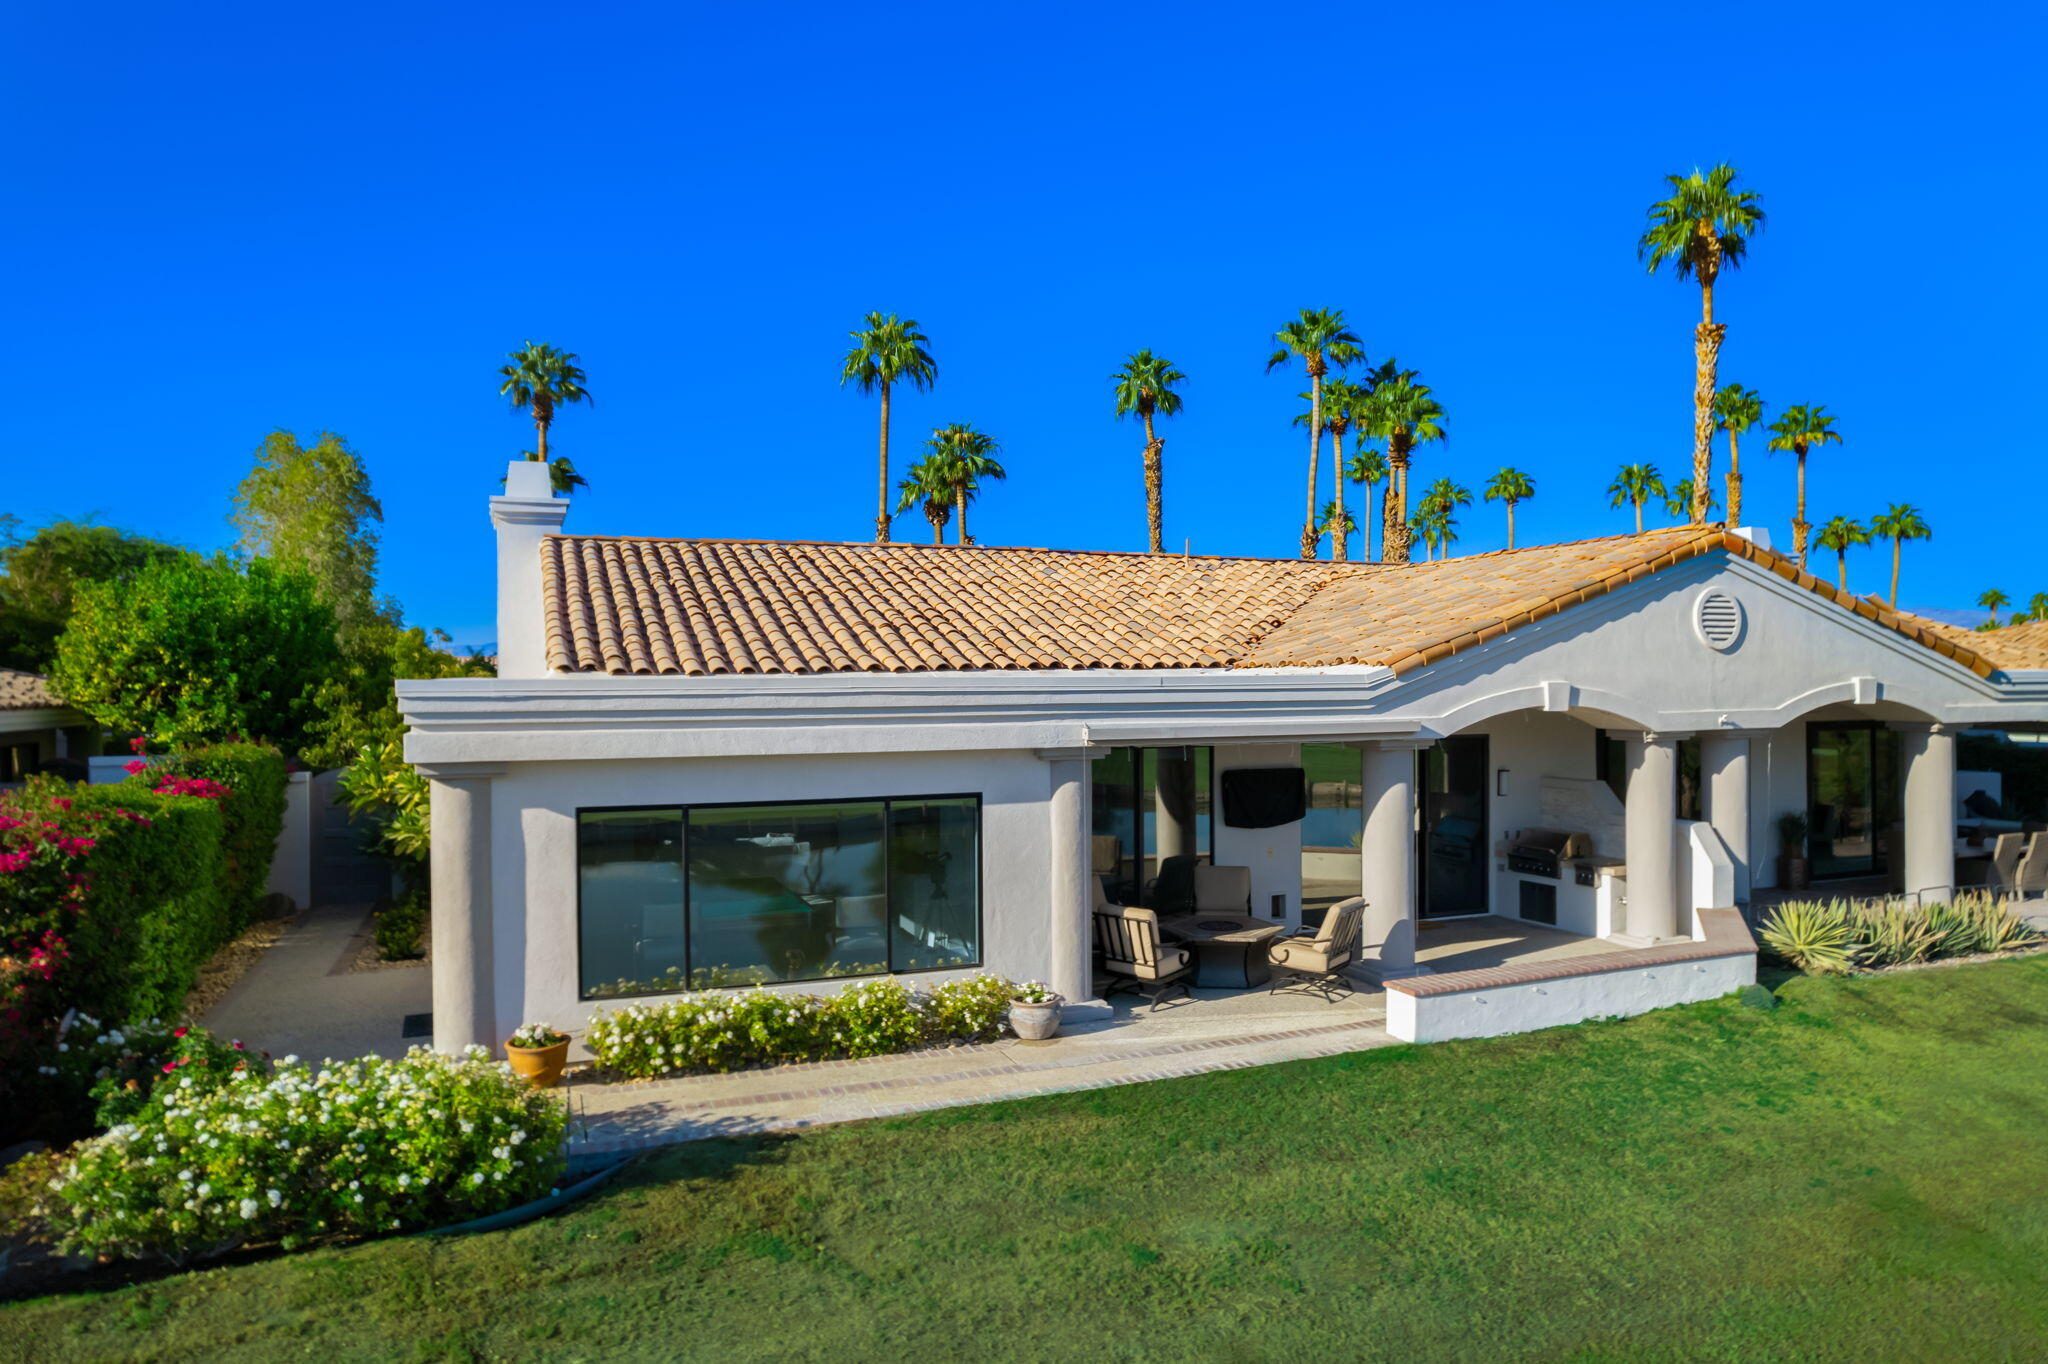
195,651
721,1032
104,1076
402,926
252,812
364,1148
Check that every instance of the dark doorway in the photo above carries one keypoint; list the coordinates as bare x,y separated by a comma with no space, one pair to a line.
1852,796
1456,853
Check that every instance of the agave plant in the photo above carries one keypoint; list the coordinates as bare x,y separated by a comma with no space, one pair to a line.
1955,931
1894,936
1817,937
1999,926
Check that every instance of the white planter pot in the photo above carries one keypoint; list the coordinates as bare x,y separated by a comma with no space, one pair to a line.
1035,1022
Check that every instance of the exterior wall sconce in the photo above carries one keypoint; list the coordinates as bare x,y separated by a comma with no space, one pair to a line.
1500,782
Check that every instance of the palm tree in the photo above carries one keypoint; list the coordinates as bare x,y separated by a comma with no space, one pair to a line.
1510,486
1405,414
1736,410
1144,387
1319,339
1442,499
1337,523
1678,501
1342,404
1368,467
1838,535
1994,601
929,482
968,457
1798,429
1901,522
887,350
2037,606
1635,485
562,475
1704,227
540,379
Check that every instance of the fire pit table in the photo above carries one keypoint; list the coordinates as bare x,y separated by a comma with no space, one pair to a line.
1230,949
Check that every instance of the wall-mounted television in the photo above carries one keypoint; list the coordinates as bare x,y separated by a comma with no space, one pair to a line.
1261,797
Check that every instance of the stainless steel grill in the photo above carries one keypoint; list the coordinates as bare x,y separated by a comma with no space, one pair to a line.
1538,852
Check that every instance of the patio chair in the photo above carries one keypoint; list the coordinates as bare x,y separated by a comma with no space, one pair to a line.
1105,854
1223,890
1313,960
2031,880
2005,861
1133,954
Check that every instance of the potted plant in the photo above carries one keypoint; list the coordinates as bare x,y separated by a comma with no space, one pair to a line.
1035,1011
538,1053
1794,872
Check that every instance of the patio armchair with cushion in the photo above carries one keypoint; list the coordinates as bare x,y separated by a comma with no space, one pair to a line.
2032,878
1313,960
1132,953
1223,890
2005,862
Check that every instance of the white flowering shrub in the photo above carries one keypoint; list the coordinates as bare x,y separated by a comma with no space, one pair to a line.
364,1147
718,1032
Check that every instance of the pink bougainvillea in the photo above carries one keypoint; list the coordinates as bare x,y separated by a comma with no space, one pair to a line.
204,787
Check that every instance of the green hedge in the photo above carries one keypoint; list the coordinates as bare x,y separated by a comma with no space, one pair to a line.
253,814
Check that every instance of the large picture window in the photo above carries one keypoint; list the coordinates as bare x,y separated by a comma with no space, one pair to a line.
696,898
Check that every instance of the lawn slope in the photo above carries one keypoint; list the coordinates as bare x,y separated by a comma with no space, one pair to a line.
1860,1173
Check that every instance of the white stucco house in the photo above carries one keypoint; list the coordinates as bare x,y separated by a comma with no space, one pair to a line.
36,728
710,763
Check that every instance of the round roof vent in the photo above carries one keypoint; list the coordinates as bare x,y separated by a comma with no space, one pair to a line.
1718,619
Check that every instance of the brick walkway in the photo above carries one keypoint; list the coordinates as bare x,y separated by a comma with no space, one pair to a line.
1128,1049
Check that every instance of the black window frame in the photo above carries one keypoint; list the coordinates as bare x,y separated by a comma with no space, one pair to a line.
682,813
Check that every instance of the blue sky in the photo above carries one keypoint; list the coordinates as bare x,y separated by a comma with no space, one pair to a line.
226,219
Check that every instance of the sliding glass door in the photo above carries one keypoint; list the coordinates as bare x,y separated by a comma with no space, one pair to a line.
1456,851
1151,824
1852,796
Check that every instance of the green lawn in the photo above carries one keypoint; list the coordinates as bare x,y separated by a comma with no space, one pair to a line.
1860,1174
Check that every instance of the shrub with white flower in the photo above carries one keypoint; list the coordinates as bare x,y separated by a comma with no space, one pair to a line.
1036,992
720,1032
536,1037
294,1157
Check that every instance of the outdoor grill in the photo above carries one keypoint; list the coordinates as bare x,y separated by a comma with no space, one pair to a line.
1539,851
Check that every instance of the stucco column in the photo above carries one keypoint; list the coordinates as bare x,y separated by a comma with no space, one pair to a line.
465,1004
1387,858
1652,835
1724,772
1069,896
1929,755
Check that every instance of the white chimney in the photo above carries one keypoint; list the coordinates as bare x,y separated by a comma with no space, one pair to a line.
1756,535
528,511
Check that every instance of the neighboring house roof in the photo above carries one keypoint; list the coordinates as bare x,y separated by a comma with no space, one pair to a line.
25,691
712,607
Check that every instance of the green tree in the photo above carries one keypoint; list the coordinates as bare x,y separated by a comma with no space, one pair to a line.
967,457
40,578
1337,523
1509,487
929,483
1438,511
1633,486
1702,228
357,703
1404,413
195,650
1899,523
1145,389
1838,535
1369,467
887,350
2037,606
1736,410
1680,502
311,505
1319,339
1993,601
539,380
1799,429
1343,404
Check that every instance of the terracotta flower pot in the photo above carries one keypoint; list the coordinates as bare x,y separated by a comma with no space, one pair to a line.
1035,1022
539,1066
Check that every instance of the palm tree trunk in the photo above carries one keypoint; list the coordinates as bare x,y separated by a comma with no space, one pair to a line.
1842,568
1398,539
540,436
543,418
1639,516
1706,346
882,483
1799,526
960,512
1340,539
1155,488
1734,482
1365,523
1897,541
1511,523
1315,454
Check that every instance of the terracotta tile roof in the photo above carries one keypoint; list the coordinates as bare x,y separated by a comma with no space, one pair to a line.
2024,645
25,691
711,607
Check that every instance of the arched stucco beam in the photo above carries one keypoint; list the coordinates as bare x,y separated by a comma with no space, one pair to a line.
1593,705
1873,700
